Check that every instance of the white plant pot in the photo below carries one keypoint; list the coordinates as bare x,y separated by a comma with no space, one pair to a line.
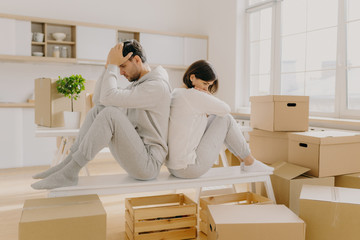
72,119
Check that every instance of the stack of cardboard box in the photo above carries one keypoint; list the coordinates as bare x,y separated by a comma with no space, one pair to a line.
274,120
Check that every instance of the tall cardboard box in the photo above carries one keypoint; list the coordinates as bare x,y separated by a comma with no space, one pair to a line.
280,113
254,222
50,105
330,213
326,153
348,180
269,147
287,181
71,218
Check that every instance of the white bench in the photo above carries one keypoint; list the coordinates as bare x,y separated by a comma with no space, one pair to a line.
123,184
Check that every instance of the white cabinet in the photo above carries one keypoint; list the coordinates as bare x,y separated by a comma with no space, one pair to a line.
15,37
195,49
162,49
18,145
173,50
94,43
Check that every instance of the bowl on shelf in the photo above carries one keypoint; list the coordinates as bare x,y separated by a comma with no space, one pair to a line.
59,36
38,54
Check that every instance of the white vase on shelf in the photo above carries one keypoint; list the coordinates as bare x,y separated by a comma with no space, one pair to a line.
72,120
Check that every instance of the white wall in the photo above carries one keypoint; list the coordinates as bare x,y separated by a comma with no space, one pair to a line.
220,20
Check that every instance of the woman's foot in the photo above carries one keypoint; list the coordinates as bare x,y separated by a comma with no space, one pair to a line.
257,166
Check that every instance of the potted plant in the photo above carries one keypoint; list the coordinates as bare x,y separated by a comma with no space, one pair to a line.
71,87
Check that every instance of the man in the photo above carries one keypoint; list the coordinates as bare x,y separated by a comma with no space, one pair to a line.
132,122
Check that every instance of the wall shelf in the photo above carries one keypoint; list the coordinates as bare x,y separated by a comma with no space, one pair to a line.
17,105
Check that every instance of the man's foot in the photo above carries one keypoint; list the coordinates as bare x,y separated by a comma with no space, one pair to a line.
258,166
53,169
68,176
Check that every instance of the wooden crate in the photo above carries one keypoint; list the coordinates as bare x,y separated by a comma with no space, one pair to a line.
172,216
234,198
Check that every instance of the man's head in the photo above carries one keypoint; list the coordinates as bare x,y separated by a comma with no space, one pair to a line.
133,68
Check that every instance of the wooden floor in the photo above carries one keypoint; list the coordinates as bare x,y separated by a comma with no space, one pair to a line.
15,189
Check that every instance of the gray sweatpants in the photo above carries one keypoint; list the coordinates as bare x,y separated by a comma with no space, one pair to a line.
219,131
110,127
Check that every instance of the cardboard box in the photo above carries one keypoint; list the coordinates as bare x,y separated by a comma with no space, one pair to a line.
269,147
349,181
330,213
280,113
250,222
241,198
172,216
50,105
77,217
287,181
326,153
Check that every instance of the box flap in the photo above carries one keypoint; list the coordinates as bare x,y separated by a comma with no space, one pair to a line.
235,214
326,137
330,194
263,133
279,98
287,170
61,207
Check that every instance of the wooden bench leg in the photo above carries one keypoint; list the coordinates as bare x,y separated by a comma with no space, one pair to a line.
269,189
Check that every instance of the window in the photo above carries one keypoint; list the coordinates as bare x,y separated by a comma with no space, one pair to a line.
293,51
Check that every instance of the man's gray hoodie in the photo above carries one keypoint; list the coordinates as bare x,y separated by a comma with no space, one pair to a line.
146,102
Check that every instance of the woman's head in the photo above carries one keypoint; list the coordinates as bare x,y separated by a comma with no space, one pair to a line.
201,74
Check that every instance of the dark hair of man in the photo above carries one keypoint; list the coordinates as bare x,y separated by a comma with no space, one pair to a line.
203,70
134,47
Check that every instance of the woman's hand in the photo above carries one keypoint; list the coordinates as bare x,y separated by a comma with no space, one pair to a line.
116,57
202,90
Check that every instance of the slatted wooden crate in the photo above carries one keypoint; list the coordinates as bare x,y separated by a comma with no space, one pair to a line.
234,198
172,216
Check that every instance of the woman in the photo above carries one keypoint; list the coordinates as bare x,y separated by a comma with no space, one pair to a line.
200,124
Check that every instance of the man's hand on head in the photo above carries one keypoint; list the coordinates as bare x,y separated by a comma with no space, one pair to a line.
116,57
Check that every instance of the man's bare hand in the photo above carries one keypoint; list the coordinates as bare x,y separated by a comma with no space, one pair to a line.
116,57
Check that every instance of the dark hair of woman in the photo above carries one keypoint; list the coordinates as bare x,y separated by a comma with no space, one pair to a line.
203,70
134,47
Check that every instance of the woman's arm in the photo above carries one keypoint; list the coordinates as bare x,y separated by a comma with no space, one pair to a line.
204,102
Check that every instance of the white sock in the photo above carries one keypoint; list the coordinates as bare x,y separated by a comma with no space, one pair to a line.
53,169
258,166
67,176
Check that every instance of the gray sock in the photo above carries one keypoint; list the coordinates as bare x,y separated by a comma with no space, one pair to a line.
53,169
67,176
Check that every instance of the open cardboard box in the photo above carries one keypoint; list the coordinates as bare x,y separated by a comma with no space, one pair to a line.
287,181
50,105
254,222
330,213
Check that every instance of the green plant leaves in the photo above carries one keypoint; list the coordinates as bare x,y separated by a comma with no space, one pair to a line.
71,87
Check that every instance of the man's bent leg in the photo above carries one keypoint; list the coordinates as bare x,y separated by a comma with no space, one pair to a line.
90,117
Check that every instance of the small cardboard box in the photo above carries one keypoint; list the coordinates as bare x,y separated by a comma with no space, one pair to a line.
241,198
330,213
287,181
269,147
77,217
50,105
250,222
349,181
172,216
326,153
280,113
